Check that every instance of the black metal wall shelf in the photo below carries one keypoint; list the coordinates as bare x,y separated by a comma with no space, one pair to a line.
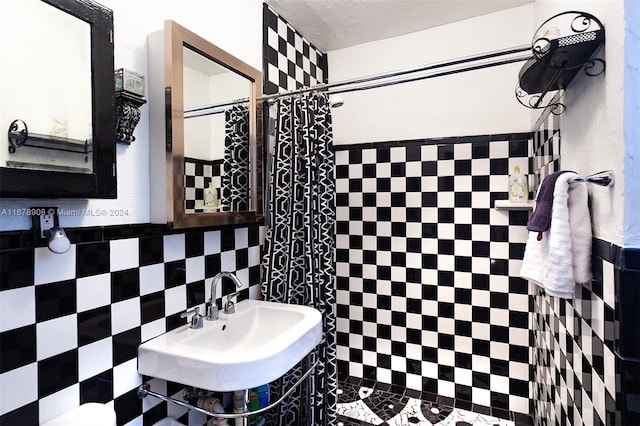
559,58
22,137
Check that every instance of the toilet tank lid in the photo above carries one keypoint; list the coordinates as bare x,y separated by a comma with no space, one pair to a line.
91,413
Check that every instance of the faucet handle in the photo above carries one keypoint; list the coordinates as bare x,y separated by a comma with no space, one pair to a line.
211,311
196,319
229,306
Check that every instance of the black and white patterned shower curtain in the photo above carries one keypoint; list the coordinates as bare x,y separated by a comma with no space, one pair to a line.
299,246
235,176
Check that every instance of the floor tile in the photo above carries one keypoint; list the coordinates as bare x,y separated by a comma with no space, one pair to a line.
364,405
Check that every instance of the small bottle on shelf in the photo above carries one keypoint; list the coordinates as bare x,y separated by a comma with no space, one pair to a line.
210,198
518,187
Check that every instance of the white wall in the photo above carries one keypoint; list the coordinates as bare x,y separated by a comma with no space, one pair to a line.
592,126
197,130
483,102
51,102
225,87
472,103
233,25
205,135
68,94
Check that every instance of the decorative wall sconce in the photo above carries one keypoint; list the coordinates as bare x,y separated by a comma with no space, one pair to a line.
129,98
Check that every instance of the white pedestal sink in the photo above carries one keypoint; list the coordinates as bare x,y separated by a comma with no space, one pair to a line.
254,346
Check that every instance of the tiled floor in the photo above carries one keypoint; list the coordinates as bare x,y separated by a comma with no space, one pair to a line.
361,402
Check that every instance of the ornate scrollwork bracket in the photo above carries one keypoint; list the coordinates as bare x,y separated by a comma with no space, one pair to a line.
595,67
17,137
537,101
563,45
127,116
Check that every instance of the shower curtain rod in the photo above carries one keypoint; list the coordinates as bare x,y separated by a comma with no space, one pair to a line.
326,88
205,113
218,105
202,110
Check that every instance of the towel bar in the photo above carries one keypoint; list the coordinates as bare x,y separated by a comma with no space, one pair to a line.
604,178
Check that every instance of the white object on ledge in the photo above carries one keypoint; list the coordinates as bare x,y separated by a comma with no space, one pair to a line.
90,413
510,205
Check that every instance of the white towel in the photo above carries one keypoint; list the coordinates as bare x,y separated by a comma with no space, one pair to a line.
563,257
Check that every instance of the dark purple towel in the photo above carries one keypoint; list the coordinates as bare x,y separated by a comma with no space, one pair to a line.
540,220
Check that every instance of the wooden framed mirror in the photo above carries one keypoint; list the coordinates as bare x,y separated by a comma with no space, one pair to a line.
206,138
57,100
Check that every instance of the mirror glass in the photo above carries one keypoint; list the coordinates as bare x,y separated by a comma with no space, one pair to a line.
208,132
57,100
45,88
216,136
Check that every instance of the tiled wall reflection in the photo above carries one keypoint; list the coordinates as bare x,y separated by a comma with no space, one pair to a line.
70,324
198,174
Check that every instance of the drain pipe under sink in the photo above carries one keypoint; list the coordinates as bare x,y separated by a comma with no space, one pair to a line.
240,398
215,406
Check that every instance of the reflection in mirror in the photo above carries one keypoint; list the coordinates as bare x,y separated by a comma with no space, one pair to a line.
45,88
216,136
57,100
205,128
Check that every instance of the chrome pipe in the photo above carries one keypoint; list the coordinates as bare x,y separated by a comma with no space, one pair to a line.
145,390
218,105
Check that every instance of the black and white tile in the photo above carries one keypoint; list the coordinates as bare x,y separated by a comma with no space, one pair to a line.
582,376
544,157
198,175
377,404
70,324
428,291
579,369
289,61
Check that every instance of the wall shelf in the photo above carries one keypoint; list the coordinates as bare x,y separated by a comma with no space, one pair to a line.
563,45
508,205
23,137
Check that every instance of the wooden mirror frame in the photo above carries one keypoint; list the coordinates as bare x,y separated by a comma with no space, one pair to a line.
175,38
101,183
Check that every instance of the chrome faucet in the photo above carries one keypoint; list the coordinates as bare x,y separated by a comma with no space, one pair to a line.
229,306
212,307
196,319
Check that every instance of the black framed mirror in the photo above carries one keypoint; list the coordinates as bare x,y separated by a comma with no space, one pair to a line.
57,100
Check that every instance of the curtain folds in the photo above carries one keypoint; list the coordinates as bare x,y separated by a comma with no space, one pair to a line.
298,264
235,174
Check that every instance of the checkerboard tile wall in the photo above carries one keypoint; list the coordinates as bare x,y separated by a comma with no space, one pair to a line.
574,354
289,60
578,374
70,324
544,157
428,295
582,373
198,173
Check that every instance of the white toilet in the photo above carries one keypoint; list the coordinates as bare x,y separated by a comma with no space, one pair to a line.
89,414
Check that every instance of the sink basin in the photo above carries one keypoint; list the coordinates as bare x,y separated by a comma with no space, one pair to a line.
254,346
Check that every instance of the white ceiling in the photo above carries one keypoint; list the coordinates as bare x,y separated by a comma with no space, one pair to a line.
335,24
